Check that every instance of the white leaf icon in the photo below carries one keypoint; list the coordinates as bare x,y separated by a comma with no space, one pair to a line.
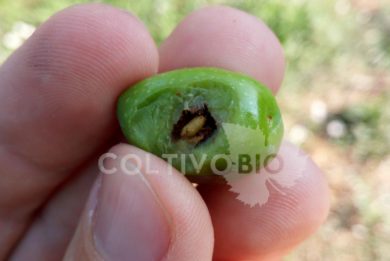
251,188
237,137
282,171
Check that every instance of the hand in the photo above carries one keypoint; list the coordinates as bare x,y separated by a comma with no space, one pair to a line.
58,94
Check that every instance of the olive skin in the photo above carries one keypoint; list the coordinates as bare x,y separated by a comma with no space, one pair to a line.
182,112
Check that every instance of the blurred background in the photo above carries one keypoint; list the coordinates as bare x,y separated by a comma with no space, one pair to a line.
335,100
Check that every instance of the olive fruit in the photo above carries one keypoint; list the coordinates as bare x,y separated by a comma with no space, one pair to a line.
179,116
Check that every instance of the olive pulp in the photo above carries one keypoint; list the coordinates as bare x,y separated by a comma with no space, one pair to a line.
181,116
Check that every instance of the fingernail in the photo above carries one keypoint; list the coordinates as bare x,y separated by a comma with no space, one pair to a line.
130,223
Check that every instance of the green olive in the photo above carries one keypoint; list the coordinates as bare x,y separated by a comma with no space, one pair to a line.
181,113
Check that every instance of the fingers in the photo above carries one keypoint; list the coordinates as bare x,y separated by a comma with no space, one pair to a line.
268,232
137,214
57,97
227,38
53,227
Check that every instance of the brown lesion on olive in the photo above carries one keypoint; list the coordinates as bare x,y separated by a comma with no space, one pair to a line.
195,125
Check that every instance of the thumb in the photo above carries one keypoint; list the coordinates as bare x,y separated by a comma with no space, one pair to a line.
143,210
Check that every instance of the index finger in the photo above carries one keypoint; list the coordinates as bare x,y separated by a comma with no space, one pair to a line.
226,38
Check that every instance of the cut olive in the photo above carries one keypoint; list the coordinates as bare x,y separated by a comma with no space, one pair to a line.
179,116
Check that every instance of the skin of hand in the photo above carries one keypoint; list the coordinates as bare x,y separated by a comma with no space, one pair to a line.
58,94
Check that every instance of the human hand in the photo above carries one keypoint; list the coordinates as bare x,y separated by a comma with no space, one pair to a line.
58,95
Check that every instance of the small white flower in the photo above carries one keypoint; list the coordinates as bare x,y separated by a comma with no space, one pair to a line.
19,33
318,111
298,134
12,41
336,129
